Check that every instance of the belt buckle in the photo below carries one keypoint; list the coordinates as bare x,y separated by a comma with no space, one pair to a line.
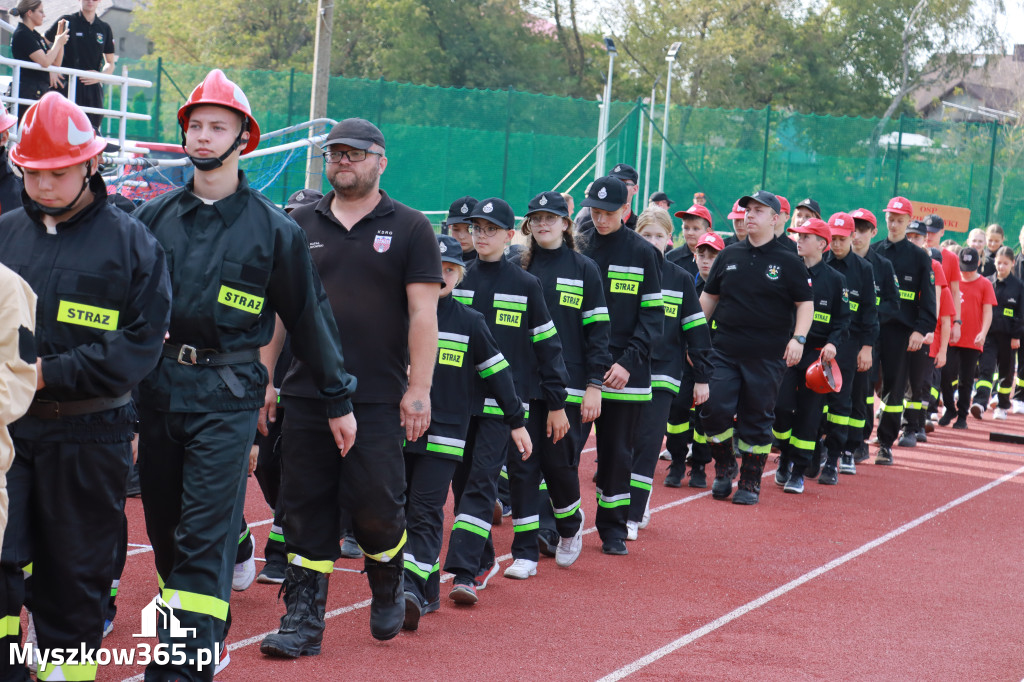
187,355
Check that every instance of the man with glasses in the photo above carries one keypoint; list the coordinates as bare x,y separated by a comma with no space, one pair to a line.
381,268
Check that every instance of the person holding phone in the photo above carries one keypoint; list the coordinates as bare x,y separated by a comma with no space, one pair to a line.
90,47
27,44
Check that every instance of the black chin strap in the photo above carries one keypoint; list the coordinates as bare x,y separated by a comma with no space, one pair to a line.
213,164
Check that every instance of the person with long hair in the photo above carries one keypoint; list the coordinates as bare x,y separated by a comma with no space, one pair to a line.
1004,336
27,44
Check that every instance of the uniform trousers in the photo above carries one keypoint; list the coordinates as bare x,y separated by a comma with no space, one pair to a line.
997,356
192,470
958,377
649,434
616,431
427,481
558,463
895,369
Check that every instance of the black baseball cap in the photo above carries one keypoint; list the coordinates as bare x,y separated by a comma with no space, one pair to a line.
761,196
355,132
811,205
495,210
451,250
916,227
625,172
934,223
661,196
460,210
608,194
552,202
303,197
969,259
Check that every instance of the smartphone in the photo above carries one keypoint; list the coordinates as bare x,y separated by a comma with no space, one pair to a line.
62,26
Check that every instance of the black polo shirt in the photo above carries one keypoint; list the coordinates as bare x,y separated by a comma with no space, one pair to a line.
364,271
87,42
758,289
24,42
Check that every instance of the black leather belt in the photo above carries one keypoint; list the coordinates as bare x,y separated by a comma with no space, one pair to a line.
49,409
190,355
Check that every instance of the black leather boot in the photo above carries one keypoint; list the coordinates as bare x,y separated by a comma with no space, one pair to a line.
302,626
725,469
387,585
748,490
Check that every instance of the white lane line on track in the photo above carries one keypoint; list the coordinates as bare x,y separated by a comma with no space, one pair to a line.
256,639
654,656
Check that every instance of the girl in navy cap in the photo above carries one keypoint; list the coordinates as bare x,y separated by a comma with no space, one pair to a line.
574,295
512,303
466,350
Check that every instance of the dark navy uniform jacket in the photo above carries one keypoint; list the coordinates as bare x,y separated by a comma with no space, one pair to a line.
916,280
234,264
631,270
576,301
831,322
465,350
512,303
860,285
1008,314
10,186
685,332
104,302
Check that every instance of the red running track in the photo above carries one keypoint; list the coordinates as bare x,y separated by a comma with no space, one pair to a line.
908,572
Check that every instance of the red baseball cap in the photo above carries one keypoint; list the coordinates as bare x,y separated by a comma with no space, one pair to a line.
737,212
696,211
864,214
711,239
784,202
818,227
841,224
899,205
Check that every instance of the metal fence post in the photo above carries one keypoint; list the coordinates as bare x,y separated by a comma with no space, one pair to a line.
991,169
767,130
156,99
291,94
899,159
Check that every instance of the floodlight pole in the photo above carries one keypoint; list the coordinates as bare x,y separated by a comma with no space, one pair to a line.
606,106
670,58
321,80
650,141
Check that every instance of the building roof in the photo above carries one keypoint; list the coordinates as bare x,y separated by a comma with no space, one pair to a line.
996,81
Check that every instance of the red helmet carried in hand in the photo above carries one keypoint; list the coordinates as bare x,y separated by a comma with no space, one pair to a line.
824,377
55,133
217,90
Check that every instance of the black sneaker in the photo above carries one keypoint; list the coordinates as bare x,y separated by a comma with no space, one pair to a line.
961,424
698,479
922,437
795,484
814,466
847,465
861,454
614,547
976,411
929,426
884,455
782,473
413,611
908,439
947,418
272,573
829,475
350,548
674,479
745,497
547,541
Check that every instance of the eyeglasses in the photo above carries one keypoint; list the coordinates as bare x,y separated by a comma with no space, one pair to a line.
489,230
545,218
353,155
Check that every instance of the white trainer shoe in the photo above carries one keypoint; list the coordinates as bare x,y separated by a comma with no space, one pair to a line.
30,638
647,515
999,413
665,455
1018,407
568,550
521,569
244,574
632,530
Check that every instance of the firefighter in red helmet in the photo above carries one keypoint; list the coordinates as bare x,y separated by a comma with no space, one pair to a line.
237,263
103,308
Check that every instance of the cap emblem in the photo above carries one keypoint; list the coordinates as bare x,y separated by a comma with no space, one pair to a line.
488,207
464,210
602,193
543,201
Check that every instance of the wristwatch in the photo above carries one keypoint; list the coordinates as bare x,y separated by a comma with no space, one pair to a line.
800,339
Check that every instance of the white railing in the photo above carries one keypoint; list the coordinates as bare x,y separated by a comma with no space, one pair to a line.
14,102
